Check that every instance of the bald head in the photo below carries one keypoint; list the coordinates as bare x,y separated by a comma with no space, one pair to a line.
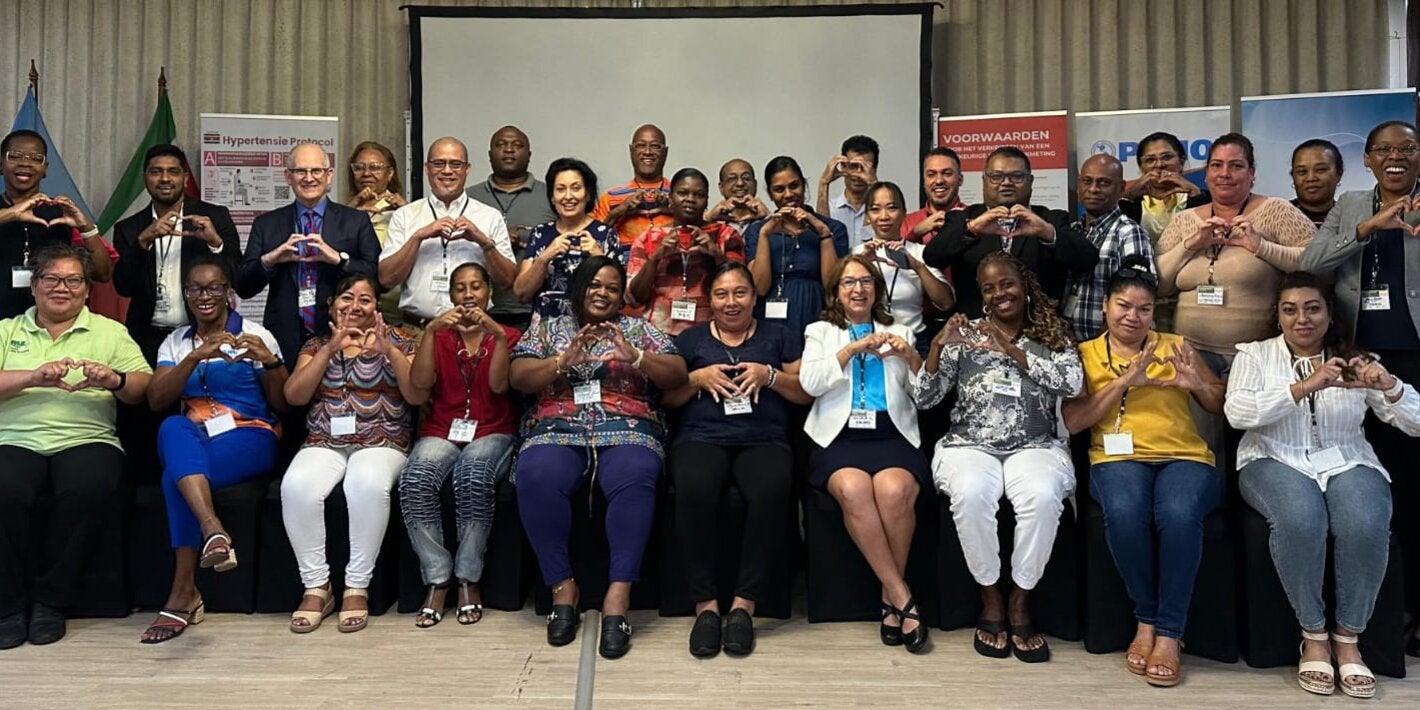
447,168
509,151
308,173
737,179
1100,184
648,153
441,147
307,152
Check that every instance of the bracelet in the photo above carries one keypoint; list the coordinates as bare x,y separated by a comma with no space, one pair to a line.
90,234
122,382
773,375
557,367
640,355
1395,390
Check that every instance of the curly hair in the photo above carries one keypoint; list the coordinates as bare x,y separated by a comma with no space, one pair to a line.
1043,322
833,311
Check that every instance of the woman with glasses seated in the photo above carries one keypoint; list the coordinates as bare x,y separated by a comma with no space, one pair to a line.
61,368
227,373
557,248
376,190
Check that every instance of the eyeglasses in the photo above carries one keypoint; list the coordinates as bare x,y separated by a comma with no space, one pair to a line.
316,173
739,177
454,165
1016,178
16,156
1380,151
849,283
213,290
1087,182
1151,160
367,167
1131,272
51,282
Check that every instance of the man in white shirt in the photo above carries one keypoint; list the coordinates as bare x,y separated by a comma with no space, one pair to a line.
857,164
429,238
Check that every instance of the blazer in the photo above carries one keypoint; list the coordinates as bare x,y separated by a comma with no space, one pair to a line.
345,229
1336,253
135,276
957,249
832,385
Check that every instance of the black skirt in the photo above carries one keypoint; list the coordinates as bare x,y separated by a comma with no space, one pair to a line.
871,450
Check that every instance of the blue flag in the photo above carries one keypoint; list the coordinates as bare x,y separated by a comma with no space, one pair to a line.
57,180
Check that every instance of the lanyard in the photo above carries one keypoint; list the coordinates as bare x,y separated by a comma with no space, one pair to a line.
1217,250
470,372
896,271
165,247
444,240
1119,372
202,380
1302,368
861,360
787,258
684,271
1373,244
715,332
493,192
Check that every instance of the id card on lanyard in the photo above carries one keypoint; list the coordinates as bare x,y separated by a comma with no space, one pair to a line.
463,429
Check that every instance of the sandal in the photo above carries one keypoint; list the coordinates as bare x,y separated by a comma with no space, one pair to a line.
312,619
995,628
217,553
469,612
427,615
360,617
1364,689
891,635
1026,632
916,639
1136,650
172,622
1324,668
1160,680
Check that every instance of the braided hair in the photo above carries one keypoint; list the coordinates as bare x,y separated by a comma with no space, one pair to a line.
1043,322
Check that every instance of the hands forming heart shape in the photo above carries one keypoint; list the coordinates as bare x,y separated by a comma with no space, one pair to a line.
1402,214
55,374
26,211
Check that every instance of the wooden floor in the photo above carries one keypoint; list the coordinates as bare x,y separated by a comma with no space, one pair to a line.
253,661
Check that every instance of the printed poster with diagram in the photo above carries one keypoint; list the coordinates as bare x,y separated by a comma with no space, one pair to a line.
244,168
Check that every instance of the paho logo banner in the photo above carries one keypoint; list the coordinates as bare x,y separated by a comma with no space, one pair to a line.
1118,133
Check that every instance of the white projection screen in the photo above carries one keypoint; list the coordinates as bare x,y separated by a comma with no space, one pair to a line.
721,82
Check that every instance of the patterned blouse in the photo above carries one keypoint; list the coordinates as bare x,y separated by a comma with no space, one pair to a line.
629,411
987,416
364,385
551,300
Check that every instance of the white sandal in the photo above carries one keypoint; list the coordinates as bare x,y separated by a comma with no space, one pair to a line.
1310,685
1346,670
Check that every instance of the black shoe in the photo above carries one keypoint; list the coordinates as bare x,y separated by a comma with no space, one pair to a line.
739,633
13,630
562,624
616,637
46,624
705,635
891,635
916,639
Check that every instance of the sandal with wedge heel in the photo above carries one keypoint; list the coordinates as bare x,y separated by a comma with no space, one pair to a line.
1365,689
218,553
311,620
1312,685
360,617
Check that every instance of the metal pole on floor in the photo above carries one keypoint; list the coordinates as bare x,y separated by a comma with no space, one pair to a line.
587,664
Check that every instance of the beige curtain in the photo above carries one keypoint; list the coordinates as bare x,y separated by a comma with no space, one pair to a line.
99,60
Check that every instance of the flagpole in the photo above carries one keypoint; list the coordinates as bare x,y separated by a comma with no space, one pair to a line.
34,80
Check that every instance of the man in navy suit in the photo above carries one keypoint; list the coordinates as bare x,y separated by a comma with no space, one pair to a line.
302,250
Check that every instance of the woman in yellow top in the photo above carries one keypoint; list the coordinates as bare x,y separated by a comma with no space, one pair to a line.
376,190
1149,468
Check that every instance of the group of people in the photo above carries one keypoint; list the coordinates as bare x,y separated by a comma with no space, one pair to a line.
548,332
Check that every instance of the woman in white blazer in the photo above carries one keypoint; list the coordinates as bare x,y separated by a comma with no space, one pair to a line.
1305,464
860,366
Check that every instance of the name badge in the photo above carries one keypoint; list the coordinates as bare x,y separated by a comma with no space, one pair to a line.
163,304
683,310
342,425
737,405
1210,295
776,308
1120,443
1006,386
19,277
462,430
1376,299
306,298
589,392
1328,459
862,419
220,425
439,284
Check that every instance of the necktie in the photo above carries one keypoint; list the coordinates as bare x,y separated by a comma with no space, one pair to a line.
306,271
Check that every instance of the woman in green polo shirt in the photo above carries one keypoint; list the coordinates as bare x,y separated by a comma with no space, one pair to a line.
61,368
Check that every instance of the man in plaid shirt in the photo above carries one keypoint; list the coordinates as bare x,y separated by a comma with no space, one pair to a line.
1099,186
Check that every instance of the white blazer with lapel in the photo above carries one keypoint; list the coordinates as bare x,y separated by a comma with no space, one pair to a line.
831,385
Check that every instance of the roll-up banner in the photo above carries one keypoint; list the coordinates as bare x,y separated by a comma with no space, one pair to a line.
1041,136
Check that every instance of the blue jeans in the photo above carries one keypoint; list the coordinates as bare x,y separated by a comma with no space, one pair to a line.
185,449
1354,508
476,467
1172,496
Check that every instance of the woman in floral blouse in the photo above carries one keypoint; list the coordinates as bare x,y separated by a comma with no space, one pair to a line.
1010,369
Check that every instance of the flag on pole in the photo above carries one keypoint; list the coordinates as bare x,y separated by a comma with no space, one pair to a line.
57,180
162,129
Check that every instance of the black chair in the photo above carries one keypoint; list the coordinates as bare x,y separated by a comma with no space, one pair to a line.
675,593
1212,618
506,571
1055,601
840,584
591,557
279,588
103,589
150,552
1270,631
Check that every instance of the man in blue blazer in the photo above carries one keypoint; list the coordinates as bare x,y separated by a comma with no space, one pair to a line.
302,250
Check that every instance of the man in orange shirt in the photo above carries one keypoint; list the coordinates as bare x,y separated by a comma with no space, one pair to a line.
638,205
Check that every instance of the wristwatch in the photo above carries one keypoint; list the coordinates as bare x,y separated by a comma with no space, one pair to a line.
344,259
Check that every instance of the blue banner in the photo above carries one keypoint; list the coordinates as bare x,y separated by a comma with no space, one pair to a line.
57,180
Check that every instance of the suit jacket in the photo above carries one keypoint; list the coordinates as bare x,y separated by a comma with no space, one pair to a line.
1335,252
831,385
961,251
344,229
135,276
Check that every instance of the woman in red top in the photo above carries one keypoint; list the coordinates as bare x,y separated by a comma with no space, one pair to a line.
462,363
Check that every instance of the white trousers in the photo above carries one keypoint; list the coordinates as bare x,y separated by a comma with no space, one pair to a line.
1036,481
369,476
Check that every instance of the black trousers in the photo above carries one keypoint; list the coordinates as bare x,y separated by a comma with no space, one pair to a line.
81,480
1399,453
701,472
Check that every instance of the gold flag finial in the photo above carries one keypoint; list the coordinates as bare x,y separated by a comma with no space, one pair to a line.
34,79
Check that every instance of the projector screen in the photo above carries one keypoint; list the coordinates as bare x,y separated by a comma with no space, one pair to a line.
722,83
